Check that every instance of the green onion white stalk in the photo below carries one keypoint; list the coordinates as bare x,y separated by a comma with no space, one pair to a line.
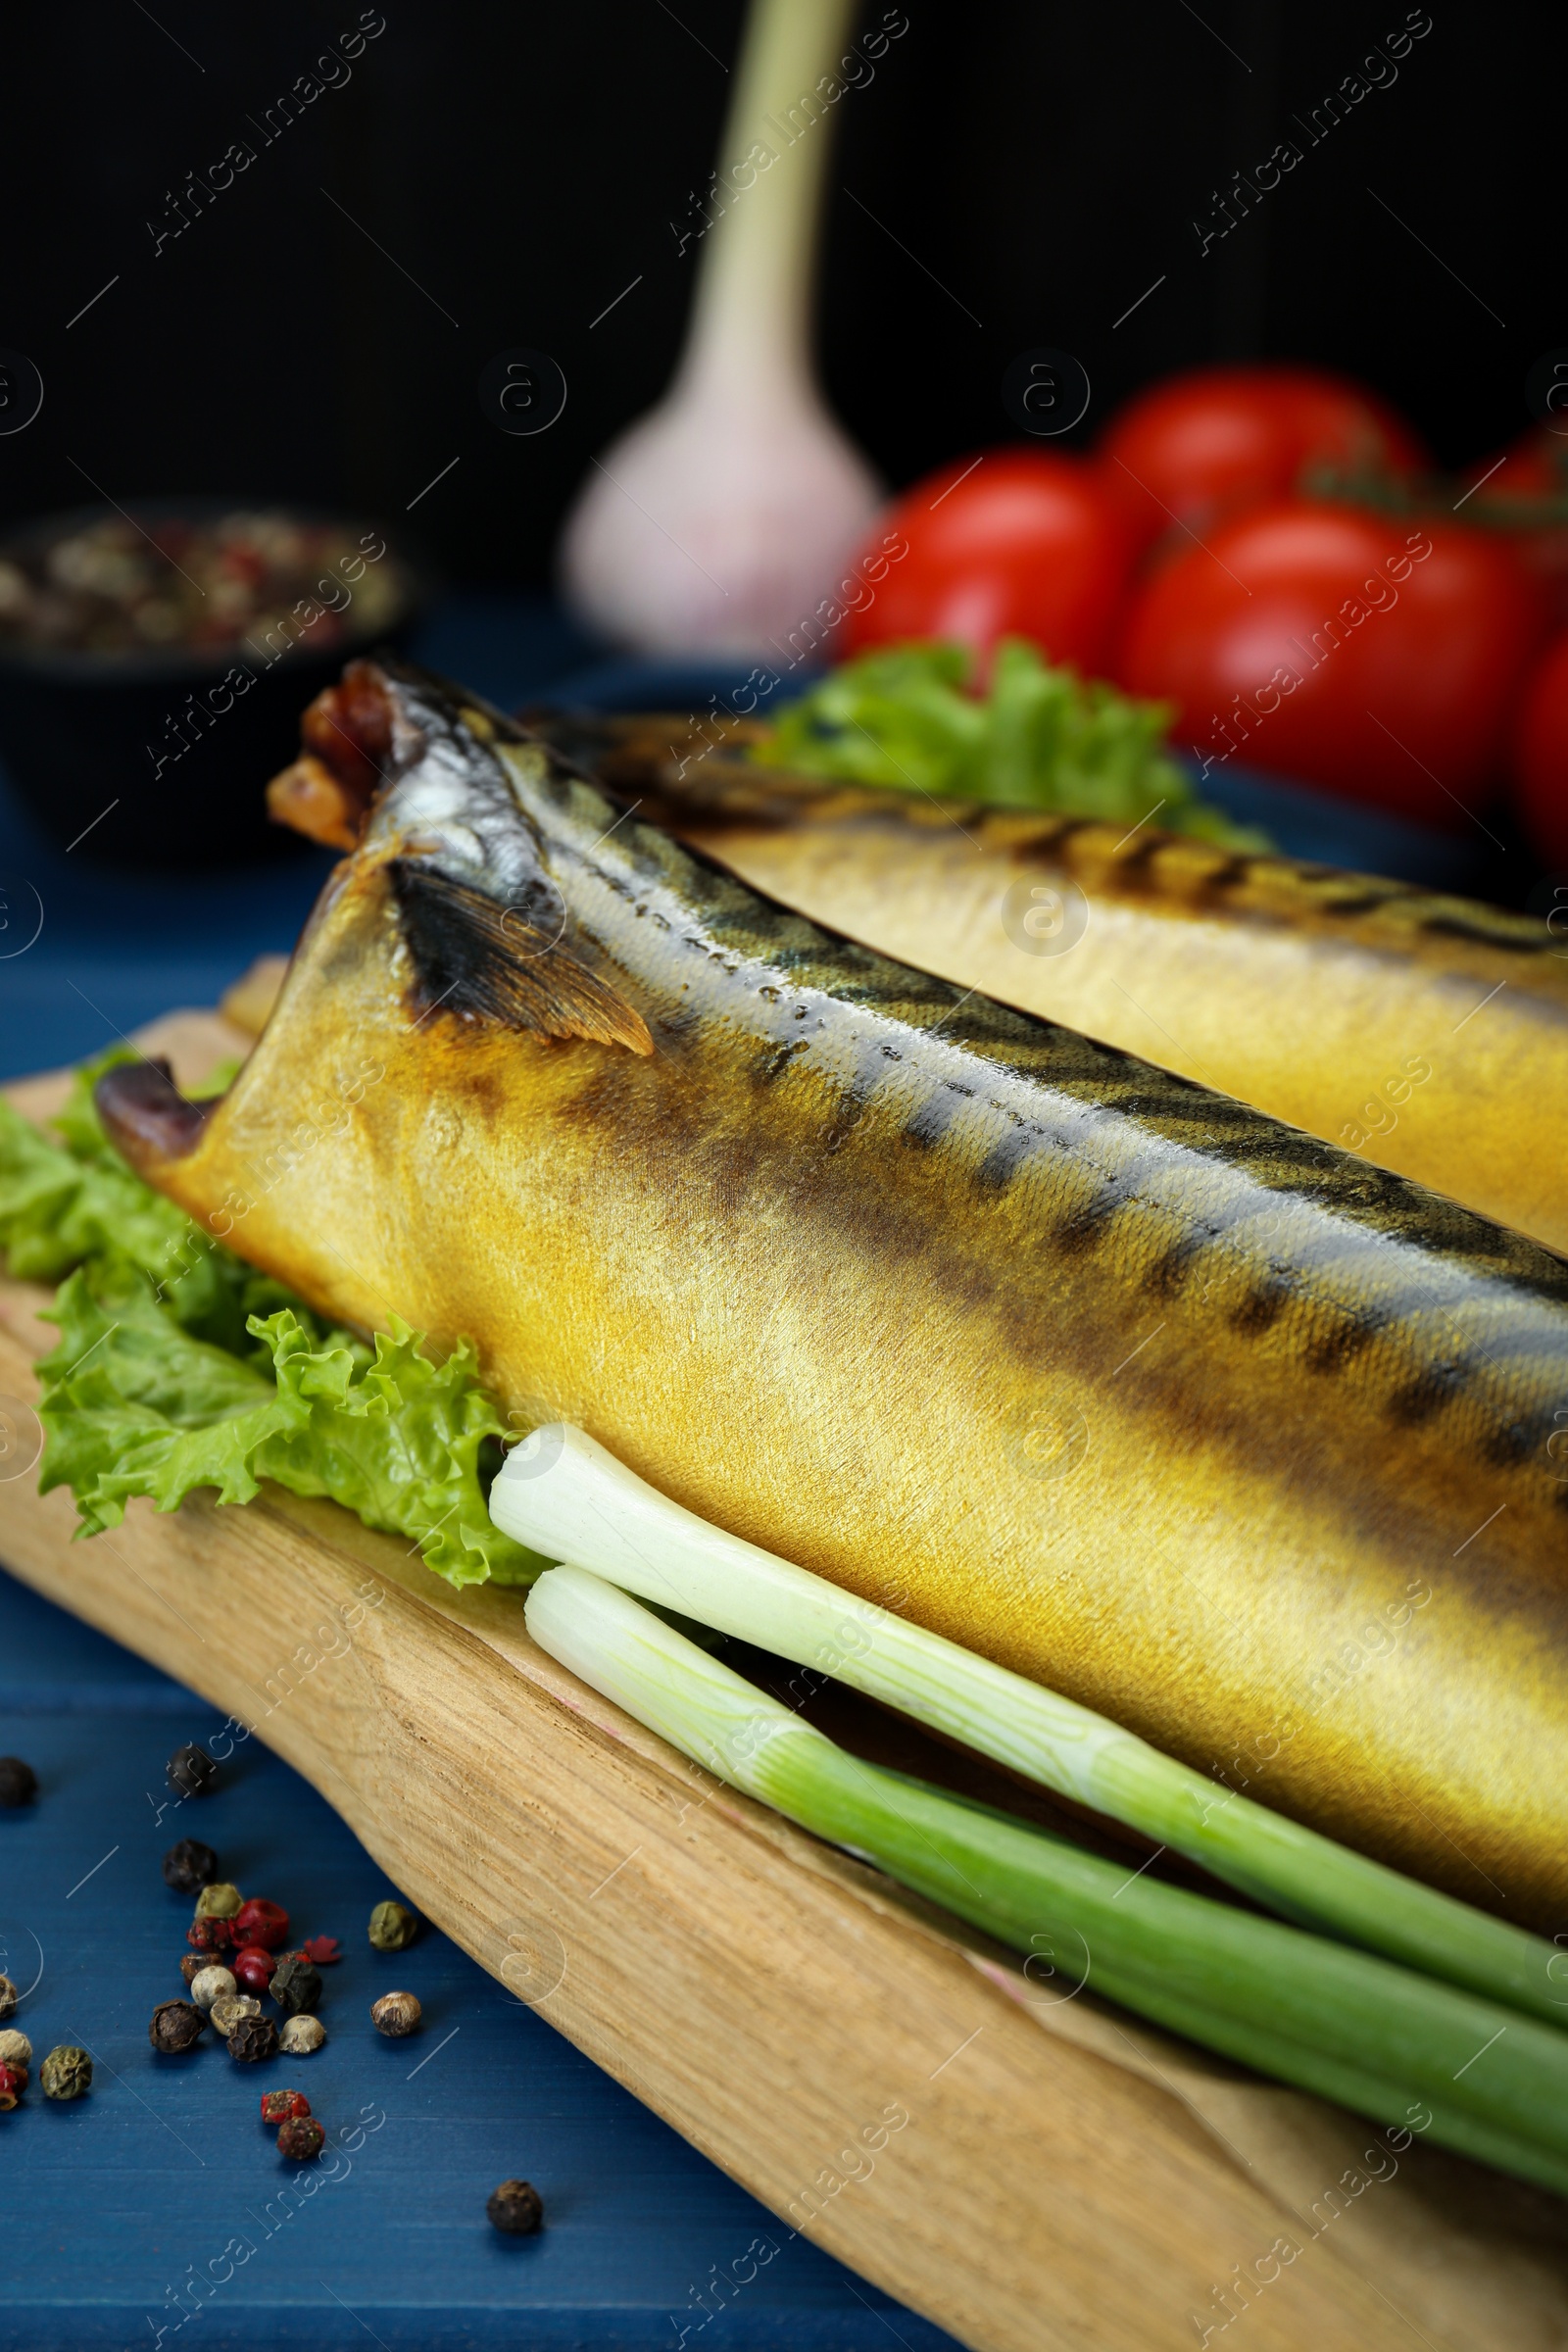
1378,2039
723,520
564,1495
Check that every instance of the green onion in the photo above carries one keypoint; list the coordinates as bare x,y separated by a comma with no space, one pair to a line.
564,1495
1389,2043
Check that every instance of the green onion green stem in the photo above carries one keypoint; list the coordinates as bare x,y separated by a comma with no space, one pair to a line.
564,1495
1398,2048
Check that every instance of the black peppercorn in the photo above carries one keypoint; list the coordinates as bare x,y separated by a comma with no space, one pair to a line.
296,1984
9,1998
301,2138
19,1783
252,2039
514,2209
190,1968
191,1772
189,1865
176,2026
396,2013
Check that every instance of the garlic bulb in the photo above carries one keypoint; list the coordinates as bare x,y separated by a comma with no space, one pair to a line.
719,520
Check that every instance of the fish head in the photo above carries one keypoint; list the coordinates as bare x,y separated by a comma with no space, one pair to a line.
444,937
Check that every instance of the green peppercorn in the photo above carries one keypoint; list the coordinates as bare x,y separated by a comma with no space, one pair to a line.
66,2073
189,1865
9,1998
177,2027
514,2209
296,1984
252,2039
19,1783
393,1927
219,1900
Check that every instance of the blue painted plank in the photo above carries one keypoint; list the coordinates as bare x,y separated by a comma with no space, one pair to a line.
162,2193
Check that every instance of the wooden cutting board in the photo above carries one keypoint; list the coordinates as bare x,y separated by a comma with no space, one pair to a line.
1028,2170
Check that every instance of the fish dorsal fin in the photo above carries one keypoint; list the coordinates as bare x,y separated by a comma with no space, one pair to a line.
474,956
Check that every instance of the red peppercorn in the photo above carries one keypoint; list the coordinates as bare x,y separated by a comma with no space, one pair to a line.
253,1968
322,1949
13,2083
210,1935
280,2106
301,2138
260,1921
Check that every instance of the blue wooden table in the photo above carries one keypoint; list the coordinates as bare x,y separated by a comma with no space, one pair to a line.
159,2201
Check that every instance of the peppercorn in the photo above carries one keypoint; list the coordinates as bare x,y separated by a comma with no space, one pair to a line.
228,2009
514,2209
209,1935
189,1865
301,2140
278,2105
211,1983
396,2013
299,2035
220,1901
13,2083
393,1927
253,2037
191,1965
296,1984
9,1998
177,2027
191,1772
253,1967
19,1783
260,1921
66,2073
15,2048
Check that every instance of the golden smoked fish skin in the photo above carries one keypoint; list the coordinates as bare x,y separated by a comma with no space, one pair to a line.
1427,1033
1248,1443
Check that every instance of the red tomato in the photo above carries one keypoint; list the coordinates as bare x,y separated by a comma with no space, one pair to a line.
1029,542
1524,490
1380,656
1216,439
1541,757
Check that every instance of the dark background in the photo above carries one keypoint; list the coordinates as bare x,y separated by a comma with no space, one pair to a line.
1042,164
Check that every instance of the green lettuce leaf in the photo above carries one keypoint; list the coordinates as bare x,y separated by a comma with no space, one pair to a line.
180,1367
903,716
135,1404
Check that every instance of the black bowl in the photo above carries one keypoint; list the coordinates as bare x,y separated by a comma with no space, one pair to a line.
161,759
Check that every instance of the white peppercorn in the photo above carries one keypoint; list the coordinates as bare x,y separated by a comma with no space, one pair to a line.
15,2048
299,2035
209,1984
228,2009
